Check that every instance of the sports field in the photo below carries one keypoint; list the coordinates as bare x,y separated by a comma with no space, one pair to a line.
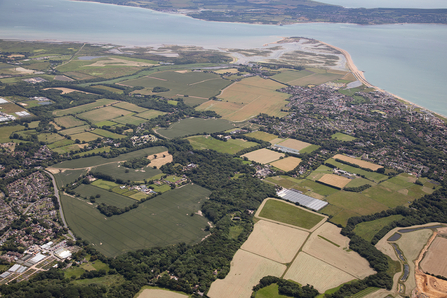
248,98
288,213
199,84
68,121
263,156
84,108
334,180
286,164
359,162
161,221
231,146
194,126
102,114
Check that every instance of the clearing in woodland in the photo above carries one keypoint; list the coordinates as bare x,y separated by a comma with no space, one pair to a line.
263,156
248,98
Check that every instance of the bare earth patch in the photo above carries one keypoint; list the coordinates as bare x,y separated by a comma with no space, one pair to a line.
160,160
67,90
334,180
263,156
360,163
287,164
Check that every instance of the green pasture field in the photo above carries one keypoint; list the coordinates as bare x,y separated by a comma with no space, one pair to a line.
342,137
130,107
270,291
197,84
107,281
359,182
84,108
138,196
287,76
96,150
84,136
68,121
104,184
231,146
120,172
368,229
318,188
263,136
99,160
289,214
6,131
129,119
49,137
107,134
63,178
102,114
319,172
61,143
307,186
162,221
66,149
193,101
160,188
75,130
107,197
150,114
194,126
34,124
111,89
388,197
374,176
316,79
309,149
105,123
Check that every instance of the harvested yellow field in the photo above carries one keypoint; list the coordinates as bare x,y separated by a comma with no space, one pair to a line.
248,98
246,271
67,90
294,144
334,180
263,156
435,261
157,293
329,246
276,242
286,164
160,159
112,61
307,269
227,70
360,163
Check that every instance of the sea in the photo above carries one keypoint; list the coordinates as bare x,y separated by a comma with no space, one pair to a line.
409,60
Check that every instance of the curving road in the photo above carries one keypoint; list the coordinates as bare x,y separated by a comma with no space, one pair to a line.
61,212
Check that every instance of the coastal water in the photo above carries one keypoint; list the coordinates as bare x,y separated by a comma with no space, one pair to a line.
389,3
407,60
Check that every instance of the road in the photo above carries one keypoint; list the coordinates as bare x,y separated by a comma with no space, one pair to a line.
61,212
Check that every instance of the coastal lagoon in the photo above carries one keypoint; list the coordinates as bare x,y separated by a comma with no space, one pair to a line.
408,60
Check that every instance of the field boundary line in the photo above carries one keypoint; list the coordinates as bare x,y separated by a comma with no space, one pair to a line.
192,84
263,257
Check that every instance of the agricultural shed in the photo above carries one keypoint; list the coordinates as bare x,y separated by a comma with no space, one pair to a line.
296,197
286,149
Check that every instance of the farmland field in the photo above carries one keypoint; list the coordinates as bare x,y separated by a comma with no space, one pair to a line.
342,137
107,134
334,180
130,107
307,269
61,143
368,229
84,108
231,146
359,162
276,242
260,135
161,221
288,213
270,291
75,130
263,156
246,271
248,98
104,184
101,114
149,114
375,177
288,76
85,136
68,121
161,159
199,84
294,144
194,126
6,131
111,89
133,174
286,164
66,177
49,137
434,261
107,197
129,119
66,149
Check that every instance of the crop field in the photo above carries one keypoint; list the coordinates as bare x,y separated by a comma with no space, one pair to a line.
84,108
102,114
315,79
388,197
149,114
85,136
49,137
107,197
368,229
231,146
68,121
435,261
75,130
356,182
6,131
294,144
162,159
276,242
161,221
329,246
263,156
159,293
107,88
116,172
60,143
104,123
334,180
198,84
246,271
288,76
104,184
194,126
376,177
289,213
286,164
107,134
264,136
226,70
129,119
130,107
359,162
65,177
307,269
342,137
66,149
248,98
309,149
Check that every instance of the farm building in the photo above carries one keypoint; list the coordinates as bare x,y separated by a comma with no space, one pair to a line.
286,149
296,197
